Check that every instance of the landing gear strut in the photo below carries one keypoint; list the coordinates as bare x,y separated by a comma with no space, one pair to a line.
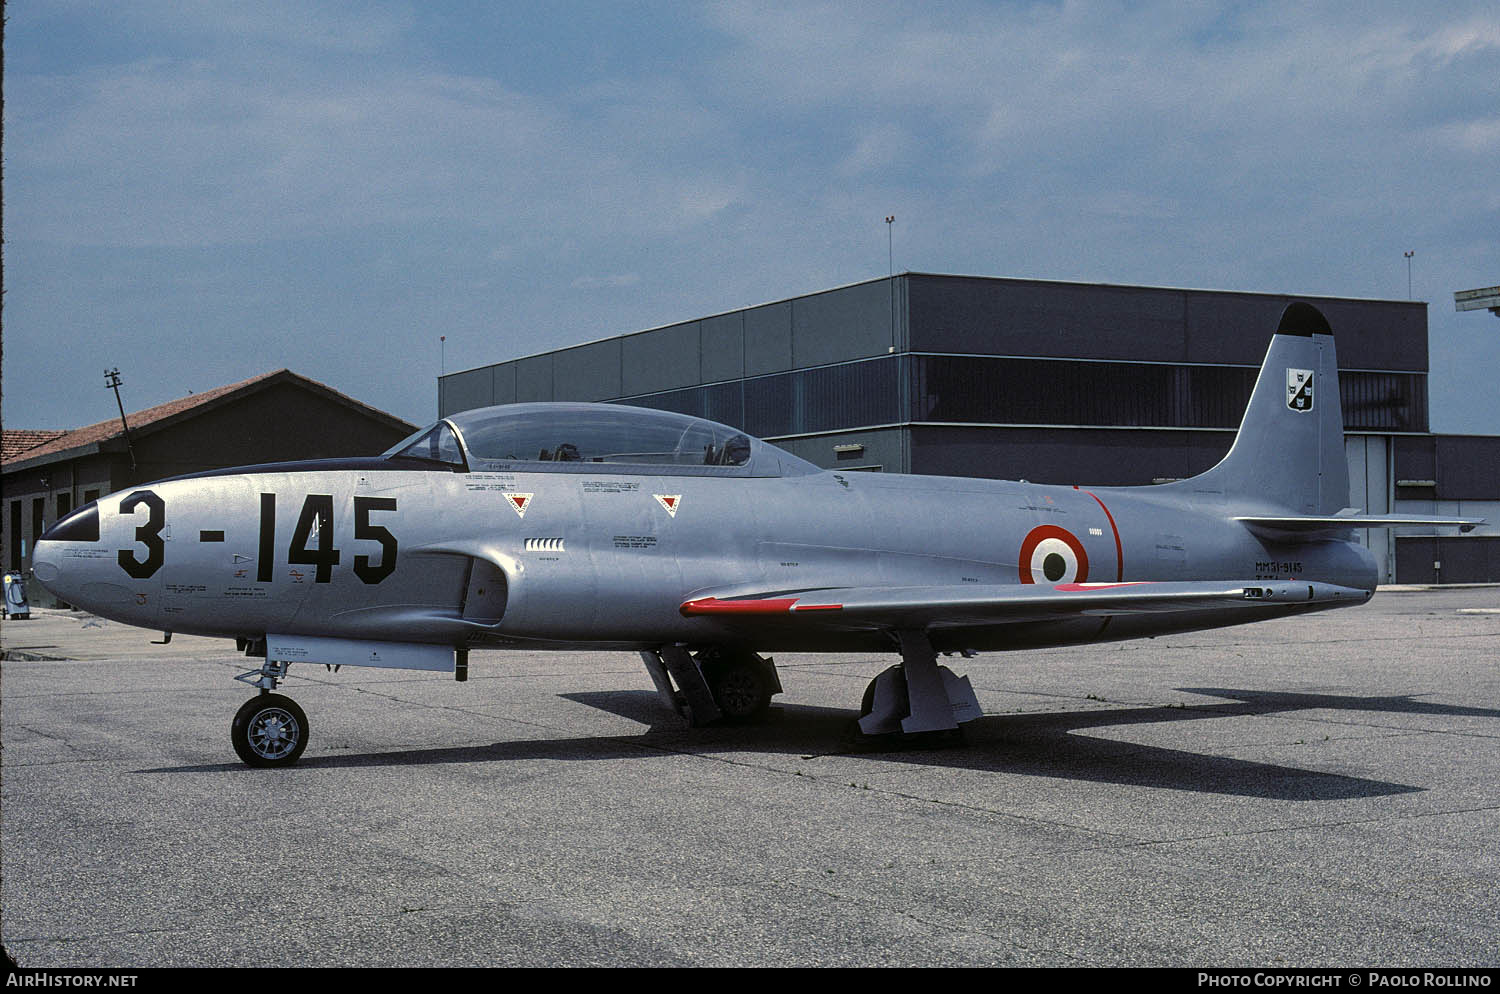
269,729
715,684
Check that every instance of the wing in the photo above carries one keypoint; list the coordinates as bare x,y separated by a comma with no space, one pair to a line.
989,604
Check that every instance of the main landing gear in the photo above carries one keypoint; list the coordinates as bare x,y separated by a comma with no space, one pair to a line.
269,729
718,683
917,703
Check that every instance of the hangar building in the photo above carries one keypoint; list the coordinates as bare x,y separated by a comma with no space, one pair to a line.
1029,379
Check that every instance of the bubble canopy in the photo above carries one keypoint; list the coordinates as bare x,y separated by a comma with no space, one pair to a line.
593,438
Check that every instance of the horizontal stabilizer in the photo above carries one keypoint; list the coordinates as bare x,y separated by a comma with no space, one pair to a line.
988,604
1307,525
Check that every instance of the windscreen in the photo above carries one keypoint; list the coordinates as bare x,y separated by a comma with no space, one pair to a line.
599,433
437,444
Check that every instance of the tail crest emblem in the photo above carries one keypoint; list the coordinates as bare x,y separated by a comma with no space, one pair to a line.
1299,389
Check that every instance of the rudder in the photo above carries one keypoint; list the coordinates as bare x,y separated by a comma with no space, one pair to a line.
1289,451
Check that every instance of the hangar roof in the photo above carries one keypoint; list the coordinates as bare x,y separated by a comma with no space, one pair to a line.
51,446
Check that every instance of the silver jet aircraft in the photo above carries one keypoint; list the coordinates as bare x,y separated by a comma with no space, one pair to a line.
598,526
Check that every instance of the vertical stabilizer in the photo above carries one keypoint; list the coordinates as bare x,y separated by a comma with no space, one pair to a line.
1289,453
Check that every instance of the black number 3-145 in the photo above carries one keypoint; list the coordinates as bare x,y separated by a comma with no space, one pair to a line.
315,528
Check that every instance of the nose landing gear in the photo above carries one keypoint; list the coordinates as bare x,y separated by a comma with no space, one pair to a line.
269,729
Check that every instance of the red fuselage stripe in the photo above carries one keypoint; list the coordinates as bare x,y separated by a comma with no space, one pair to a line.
1119,549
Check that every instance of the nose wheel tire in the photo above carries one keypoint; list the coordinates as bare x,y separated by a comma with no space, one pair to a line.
269,730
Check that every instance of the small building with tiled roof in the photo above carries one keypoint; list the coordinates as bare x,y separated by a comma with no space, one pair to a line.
13,443
268,418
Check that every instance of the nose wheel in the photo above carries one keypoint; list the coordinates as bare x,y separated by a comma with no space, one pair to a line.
269,730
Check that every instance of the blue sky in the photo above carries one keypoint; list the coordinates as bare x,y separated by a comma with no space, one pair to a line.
198,193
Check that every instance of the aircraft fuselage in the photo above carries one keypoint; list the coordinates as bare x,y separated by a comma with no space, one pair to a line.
497,558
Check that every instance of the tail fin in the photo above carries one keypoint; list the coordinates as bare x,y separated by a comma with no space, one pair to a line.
1289,453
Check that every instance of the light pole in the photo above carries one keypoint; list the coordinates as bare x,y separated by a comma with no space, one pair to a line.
112,382
442,369
1409,254
890,265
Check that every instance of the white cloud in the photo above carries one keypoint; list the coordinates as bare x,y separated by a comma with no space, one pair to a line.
606,282
173,153
362,28
702,202
1479,137
881,147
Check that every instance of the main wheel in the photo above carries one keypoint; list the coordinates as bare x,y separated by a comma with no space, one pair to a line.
741,685
269,730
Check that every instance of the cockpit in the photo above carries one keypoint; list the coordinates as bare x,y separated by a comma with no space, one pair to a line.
564,437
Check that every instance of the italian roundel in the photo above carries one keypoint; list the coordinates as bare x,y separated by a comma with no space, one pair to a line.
1053,555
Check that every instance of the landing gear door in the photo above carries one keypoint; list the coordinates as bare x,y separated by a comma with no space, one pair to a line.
359,652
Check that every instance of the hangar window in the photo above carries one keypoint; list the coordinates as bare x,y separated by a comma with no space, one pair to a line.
1000,390
800,401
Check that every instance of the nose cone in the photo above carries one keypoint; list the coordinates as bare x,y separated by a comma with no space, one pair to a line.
75,537
77,567
46,567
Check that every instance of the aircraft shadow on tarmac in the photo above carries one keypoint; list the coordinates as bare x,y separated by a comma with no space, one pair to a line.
1042,745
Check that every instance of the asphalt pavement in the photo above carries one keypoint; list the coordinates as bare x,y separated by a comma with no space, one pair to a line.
1322,791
